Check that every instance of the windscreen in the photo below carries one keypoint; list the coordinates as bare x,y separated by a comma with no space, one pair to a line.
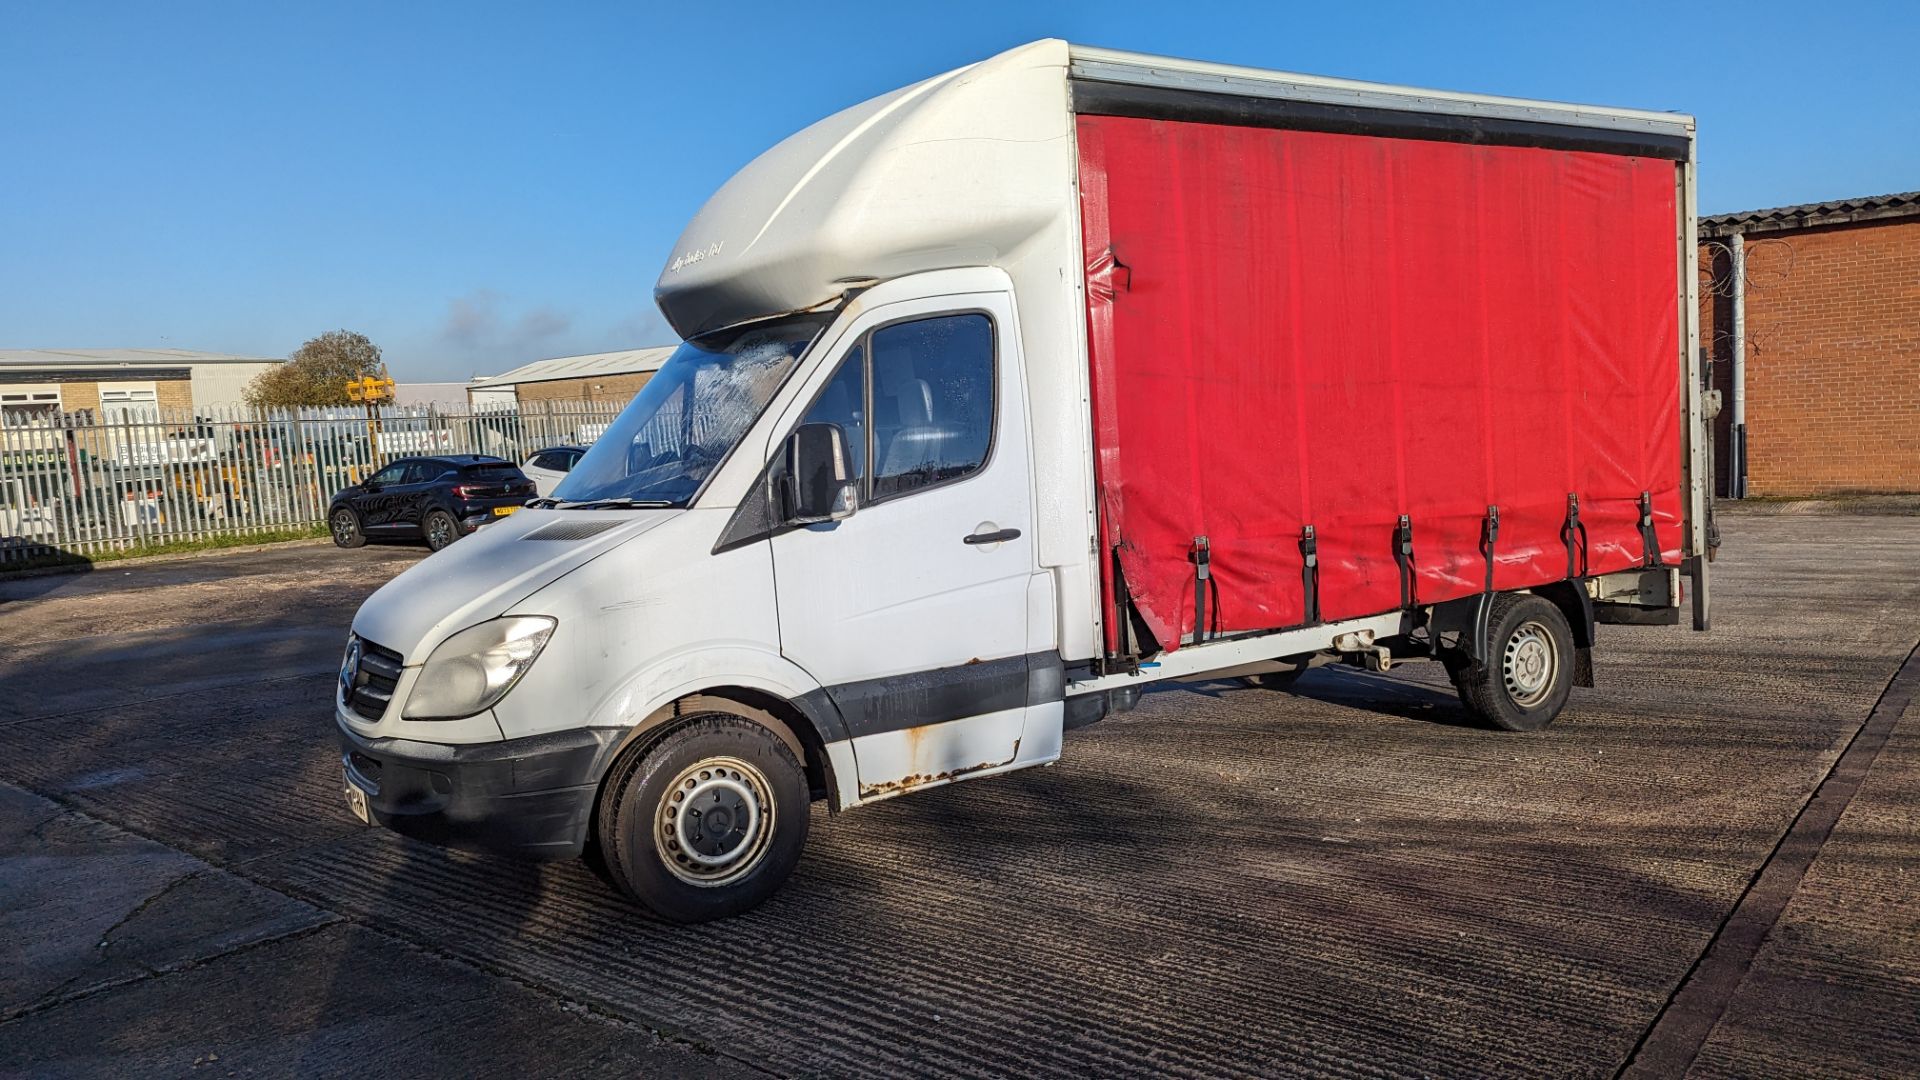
689,415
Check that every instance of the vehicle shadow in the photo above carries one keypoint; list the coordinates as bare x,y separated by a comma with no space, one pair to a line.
1388,695
22,585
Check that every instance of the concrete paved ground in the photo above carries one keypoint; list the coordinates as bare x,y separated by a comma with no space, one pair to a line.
1343,880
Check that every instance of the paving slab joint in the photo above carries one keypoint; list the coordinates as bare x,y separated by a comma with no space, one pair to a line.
1669,1045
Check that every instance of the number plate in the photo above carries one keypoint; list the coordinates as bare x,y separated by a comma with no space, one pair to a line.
357,803
503,511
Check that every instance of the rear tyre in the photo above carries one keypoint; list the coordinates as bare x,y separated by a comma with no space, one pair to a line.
440,529
344,524
705,821
1525,679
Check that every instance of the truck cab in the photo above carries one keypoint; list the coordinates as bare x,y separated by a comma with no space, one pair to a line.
807,548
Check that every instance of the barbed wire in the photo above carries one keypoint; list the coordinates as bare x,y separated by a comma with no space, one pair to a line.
1770,263
1774,256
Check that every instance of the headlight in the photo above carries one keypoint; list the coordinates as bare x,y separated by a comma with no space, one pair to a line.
476,667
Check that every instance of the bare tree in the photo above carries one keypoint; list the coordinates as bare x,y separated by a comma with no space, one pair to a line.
317,372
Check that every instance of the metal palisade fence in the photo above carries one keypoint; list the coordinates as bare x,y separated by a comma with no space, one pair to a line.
86,482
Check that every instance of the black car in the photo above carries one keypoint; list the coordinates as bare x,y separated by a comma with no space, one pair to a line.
437,498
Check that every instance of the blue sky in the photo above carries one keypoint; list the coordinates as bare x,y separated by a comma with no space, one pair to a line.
475,186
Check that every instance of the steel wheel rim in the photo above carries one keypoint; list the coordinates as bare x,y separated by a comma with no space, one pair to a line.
343,526
1529,664
714,824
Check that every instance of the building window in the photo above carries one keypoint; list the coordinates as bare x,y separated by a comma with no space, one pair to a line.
20,405
129,401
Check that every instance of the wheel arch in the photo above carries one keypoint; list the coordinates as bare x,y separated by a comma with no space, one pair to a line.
796,723
1573,602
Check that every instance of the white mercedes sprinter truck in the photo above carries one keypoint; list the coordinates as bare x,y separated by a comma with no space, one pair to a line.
1011,392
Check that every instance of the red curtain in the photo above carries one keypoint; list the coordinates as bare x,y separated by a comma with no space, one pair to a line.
1294,328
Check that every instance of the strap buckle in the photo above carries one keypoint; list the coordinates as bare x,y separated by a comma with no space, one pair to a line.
1202,556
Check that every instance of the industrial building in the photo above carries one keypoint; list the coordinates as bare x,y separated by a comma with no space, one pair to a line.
1811,317
444,396
595,377
46,382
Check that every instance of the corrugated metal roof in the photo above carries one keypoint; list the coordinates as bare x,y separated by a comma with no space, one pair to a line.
1807,215
422,394
624,362
124,358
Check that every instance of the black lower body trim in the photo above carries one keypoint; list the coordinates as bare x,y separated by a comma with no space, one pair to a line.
898,702
530,797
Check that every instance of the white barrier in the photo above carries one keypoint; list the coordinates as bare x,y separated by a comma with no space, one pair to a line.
80,483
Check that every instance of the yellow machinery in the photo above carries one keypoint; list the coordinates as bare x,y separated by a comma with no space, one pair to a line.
372,392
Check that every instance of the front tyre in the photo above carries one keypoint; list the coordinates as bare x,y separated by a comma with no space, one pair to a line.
706,821
1525,680
440,528
344,524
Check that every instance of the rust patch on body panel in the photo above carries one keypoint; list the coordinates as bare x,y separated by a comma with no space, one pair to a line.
917,780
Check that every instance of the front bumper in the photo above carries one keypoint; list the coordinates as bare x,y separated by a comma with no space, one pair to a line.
529,797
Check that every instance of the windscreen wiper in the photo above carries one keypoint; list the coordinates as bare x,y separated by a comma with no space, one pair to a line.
618,504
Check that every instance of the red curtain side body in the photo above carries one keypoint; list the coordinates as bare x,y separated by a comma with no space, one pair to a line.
1295,328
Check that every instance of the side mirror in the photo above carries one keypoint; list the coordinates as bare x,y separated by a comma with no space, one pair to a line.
370,487
818,475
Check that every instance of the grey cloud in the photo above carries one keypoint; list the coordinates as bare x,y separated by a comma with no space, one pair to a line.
483,329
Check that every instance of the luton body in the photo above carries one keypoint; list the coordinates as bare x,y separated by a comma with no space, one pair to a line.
1009,393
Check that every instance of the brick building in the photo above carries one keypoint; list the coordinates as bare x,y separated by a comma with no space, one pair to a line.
44,382
611,376
1822,303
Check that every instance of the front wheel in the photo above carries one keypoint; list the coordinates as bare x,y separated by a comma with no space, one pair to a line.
707,821
1525,679
440,528
344,524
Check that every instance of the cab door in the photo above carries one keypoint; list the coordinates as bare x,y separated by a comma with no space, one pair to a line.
912,612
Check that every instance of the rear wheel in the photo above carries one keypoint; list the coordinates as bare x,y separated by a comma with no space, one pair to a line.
440,529
344,524
1525,679
706,821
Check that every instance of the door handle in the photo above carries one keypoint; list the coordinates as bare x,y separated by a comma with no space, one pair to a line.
995,537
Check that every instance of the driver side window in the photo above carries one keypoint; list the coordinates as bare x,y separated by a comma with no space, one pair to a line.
389,476
922,411
932,401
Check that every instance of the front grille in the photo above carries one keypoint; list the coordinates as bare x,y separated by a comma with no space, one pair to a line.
369,688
